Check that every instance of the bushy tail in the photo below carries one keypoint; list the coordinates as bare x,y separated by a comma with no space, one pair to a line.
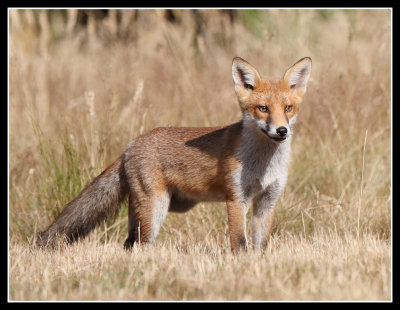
100,199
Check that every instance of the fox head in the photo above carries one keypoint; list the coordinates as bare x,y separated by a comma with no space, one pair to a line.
268,106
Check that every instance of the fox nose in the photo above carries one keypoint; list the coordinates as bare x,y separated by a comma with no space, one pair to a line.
282,131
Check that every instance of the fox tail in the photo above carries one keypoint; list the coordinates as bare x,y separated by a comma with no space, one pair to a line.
99,200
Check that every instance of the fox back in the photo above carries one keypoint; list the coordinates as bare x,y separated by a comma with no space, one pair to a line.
174,168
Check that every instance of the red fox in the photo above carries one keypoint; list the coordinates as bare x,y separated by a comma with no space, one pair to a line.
174,168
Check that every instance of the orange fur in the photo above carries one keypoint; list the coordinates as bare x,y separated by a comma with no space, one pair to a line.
173,168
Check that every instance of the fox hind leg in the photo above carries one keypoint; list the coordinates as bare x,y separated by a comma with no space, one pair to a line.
146,215
131,225
160,209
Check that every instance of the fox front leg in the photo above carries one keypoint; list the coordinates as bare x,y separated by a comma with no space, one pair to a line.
237,225
263,215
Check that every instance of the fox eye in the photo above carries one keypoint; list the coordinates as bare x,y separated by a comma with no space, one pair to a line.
263,108
288,108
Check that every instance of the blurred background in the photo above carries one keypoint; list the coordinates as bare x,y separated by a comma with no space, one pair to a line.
83,83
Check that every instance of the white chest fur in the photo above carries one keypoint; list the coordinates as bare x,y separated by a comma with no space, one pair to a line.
263,162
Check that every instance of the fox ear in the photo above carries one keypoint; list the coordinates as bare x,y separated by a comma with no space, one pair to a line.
245,76
297,76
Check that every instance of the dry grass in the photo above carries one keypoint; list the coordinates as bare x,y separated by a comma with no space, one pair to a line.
77,99
324,267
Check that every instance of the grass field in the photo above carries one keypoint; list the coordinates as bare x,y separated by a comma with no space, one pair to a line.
78,94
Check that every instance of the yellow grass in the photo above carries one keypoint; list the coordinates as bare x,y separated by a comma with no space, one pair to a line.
79,94
324,267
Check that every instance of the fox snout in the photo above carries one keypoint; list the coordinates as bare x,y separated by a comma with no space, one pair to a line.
281,131
277,133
